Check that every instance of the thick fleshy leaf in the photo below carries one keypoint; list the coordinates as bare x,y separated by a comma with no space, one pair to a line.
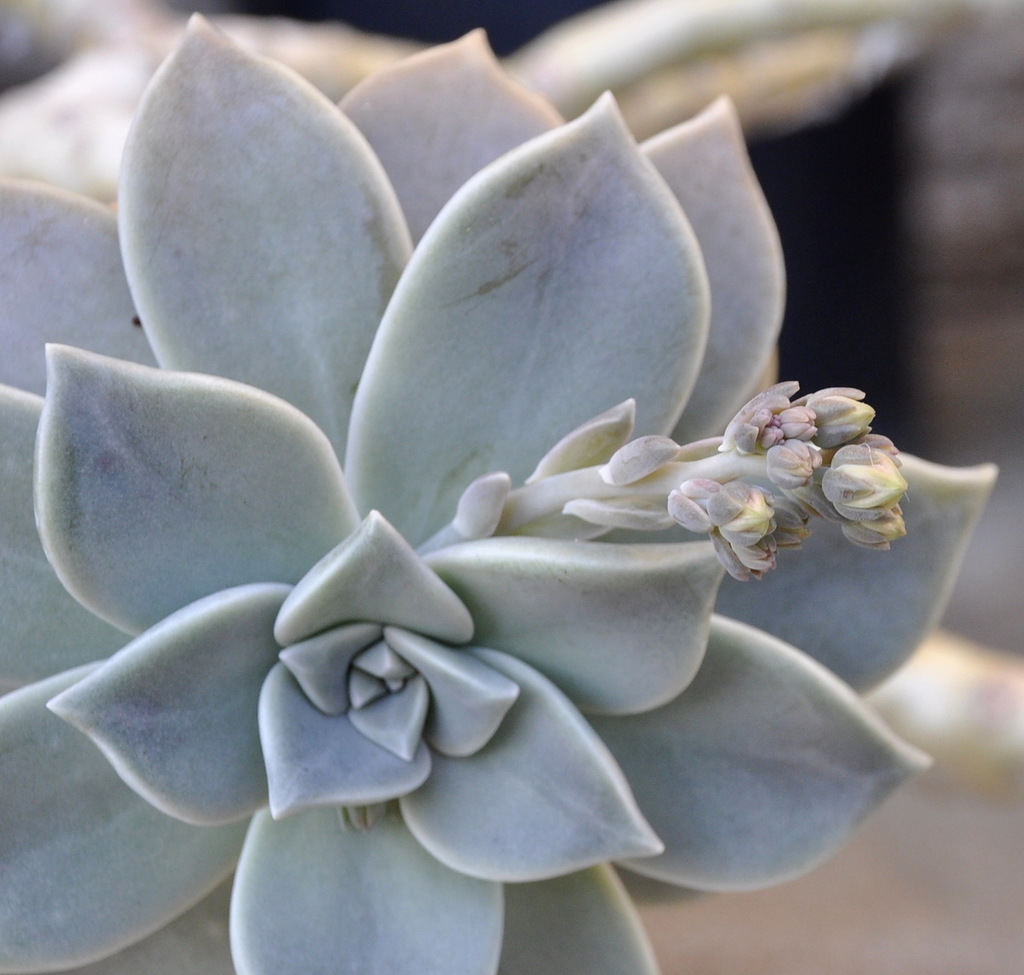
315,898
544,796
395,721
468,698
374,575
175,710
759,770
154,489
315,759
619,628
561,280
437,117
704,161
87,866
261,237
62,281
583,923
862,612
45,630
321,663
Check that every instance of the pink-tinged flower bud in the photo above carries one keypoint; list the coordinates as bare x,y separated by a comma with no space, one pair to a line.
840,415
741,512
744,561
792,464
751,428
877,533
797,423
861,480
791,523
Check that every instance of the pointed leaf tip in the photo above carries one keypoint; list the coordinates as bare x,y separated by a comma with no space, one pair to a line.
175,710
272,266
154,489
563,279
759,770
542,798
373,576
436,118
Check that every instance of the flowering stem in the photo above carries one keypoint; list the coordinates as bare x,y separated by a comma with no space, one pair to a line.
550,495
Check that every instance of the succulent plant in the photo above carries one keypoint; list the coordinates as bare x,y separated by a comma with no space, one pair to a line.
443,709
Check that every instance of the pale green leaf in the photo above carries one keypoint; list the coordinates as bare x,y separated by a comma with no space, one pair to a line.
261,237
759,770
619,628
395,720
62,281
437,117
315,898
468,698
175,710
45,629
87,866
543,797
704,161
558,282
156,488
863,612
317,759
373,575
320,663
583,923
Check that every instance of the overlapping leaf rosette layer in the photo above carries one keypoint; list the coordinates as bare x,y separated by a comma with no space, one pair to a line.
432,710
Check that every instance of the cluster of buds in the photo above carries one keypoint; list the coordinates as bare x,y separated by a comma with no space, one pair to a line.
780,462
820,458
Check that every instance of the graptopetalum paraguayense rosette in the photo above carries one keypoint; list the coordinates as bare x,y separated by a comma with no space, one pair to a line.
422,701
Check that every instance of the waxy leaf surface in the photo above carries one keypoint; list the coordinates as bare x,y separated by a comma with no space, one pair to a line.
45,630
175,710
618,628
767,792
313,897
704,161
87,866
582,923
374,575
155,488
860,612
316,759
261,238
542,798
568,257
62,281
435,118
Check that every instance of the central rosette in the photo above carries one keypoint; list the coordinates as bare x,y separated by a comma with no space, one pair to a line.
376,673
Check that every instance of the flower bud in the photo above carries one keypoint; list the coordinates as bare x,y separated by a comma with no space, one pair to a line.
877,533
751,428
840,415
791,520
862,479
741,512
792,464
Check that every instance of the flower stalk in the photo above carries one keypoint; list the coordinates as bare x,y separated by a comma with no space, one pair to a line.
753,490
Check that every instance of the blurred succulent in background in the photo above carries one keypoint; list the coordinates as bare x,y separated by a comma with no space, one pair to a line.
436,707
